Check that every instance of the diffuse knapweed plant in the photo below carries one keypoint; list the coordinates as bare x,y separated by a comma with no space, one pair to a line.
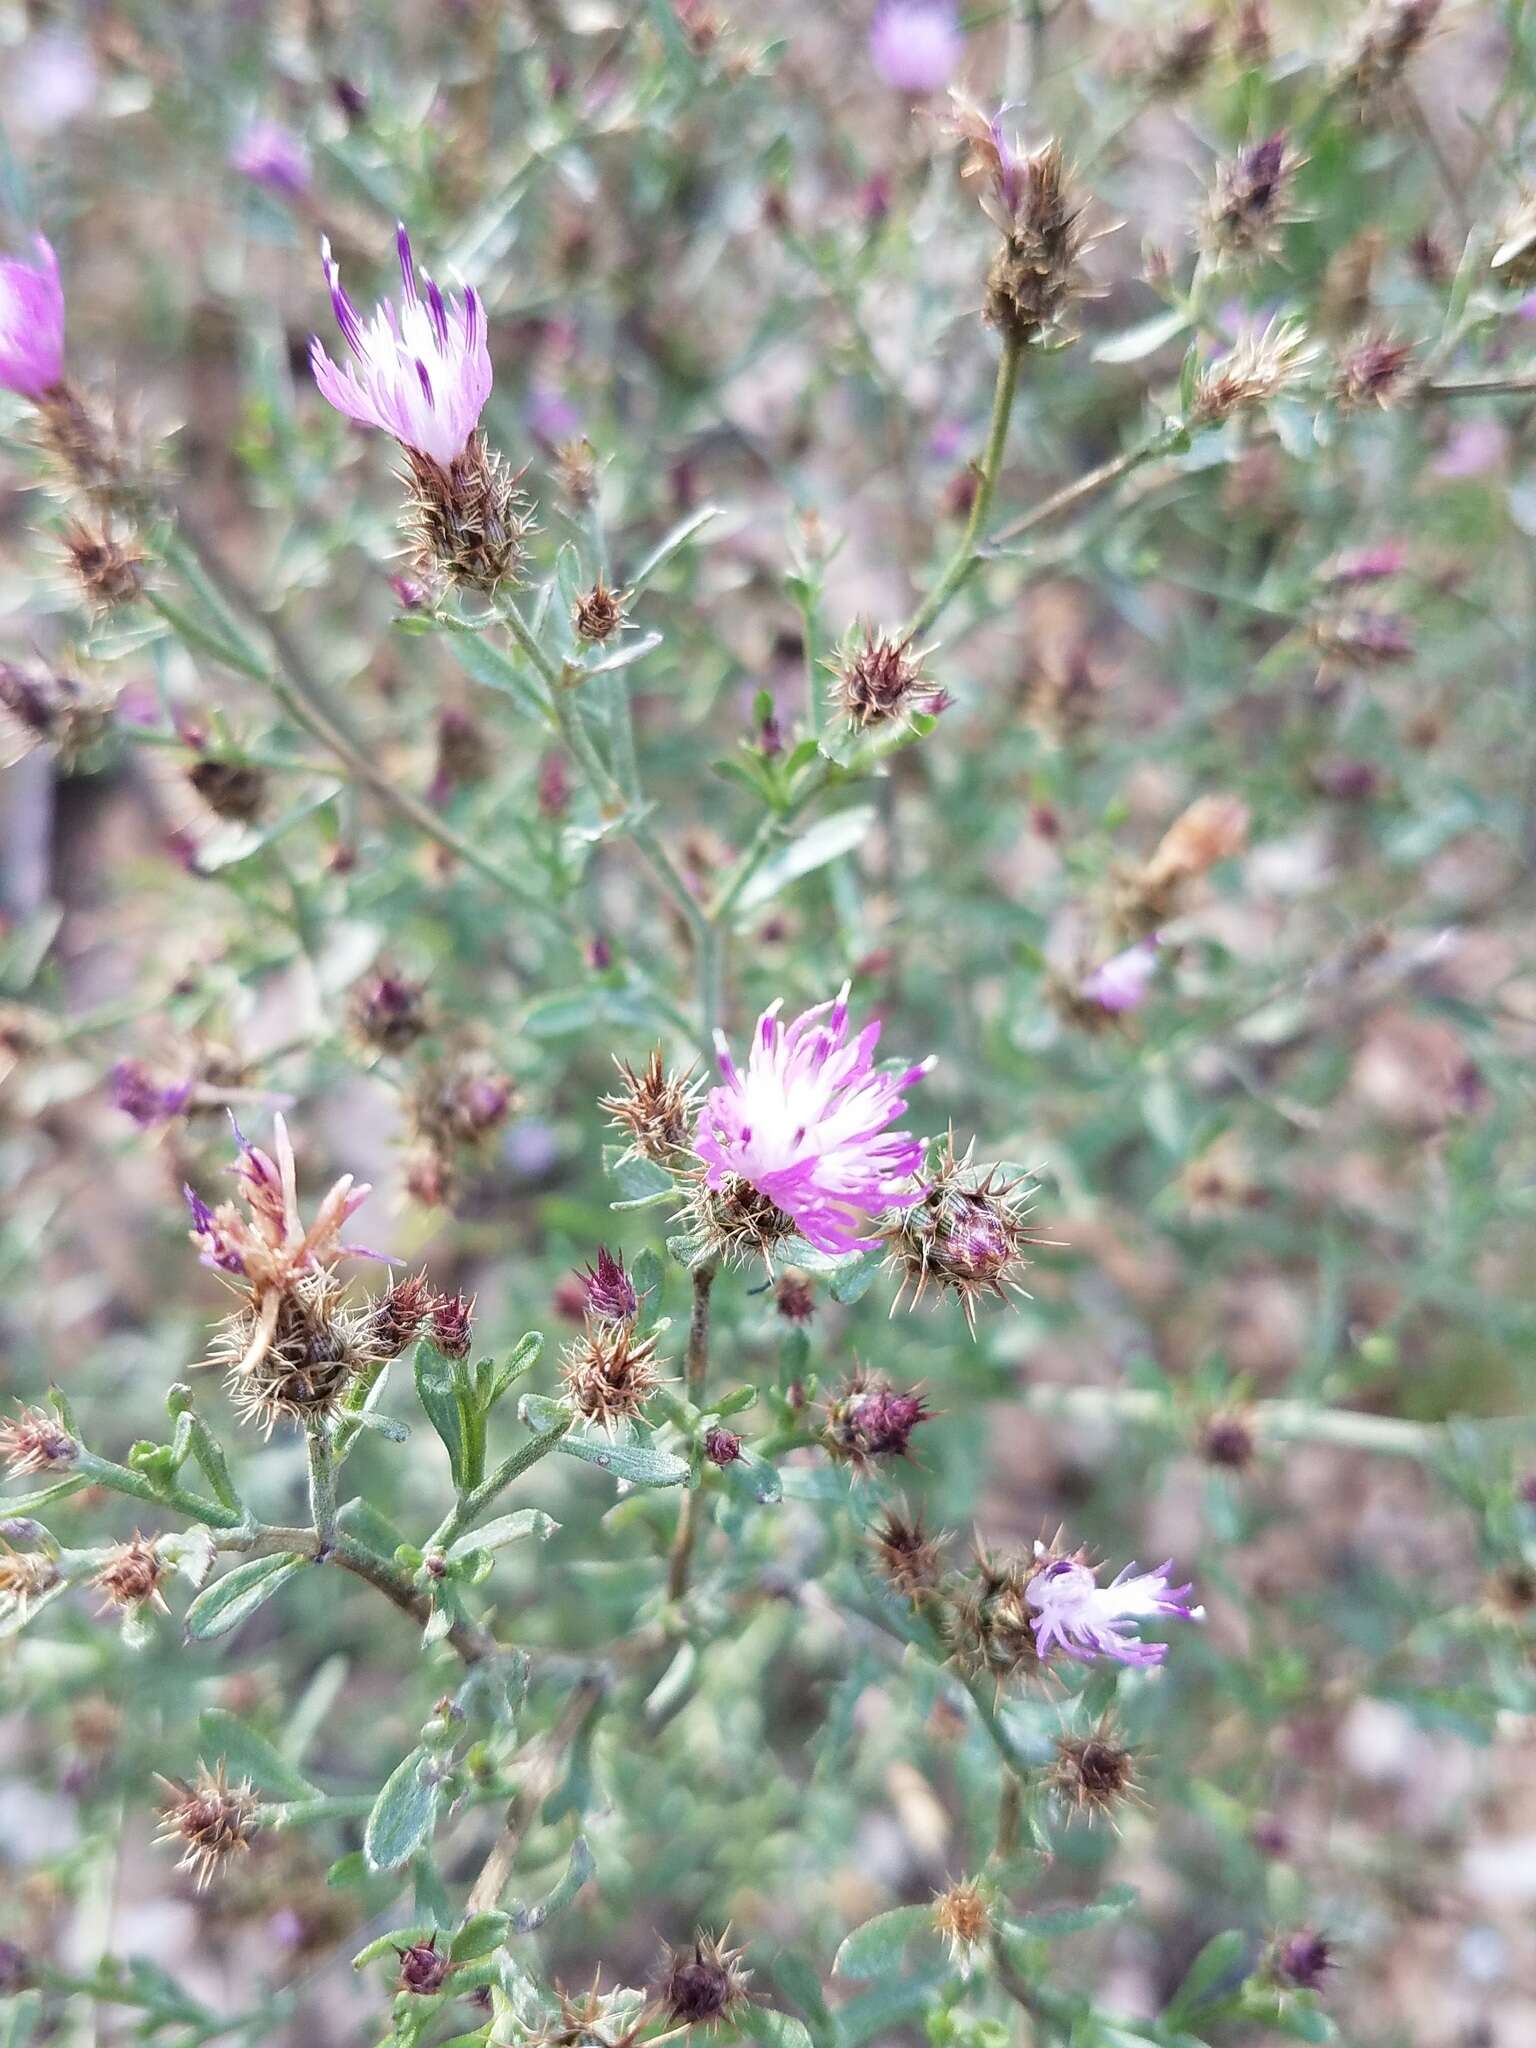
690,1599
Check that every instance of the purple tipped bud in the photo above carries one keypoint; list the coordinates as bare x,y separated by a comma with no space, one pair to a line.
722,1447
1304,1959
611,1293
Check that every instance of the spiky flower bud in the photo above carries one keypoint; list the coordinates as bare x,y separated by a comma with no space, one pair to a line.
389,1012
702,1985
233,790
576,471
965,1237
598,613
611,1295
906,1555
1035,276
963,1915
130,1576
460,1101
1391,33
1257,368
464,757
1248,201
869,1419
610,1371
423,1968
1372,370
452,1324
211,1819
722,1447
882,682
988,1623
397,1315
1094,1773
1302,1960
469,522
111,571
656,1108
34,1441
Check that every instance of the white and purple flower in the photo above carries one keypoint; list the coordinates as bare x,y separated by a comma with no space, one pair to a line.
806,1125
31,323
916,45
423,370
273,157
1086,1620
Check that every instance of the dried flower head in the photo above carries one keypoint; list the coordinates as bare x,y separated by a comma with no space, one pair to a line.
130,1576
988,1625
881,682
460,1101
599,613
703,1984
794,1297
610,1371
1360,636
806,1126
611,1295
110,571
423,1968
34,1441
965,1236
656,1108
1181,58
576,471
906,1555
1036,275
1249,202
389,1012
1372,370
294,1357
870,1419
1258,367
396,1317
24,1576
963,1915
233,790
1094,1773
211,1819
1389,36
1227,1440
45,708
1212,829
270,1244
468,522
452,1324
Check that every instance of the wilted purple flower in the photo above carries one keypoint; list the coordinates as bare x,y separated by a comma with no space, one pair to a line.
215,1247
136,1093
423,369
1086,1619
611,1293
1124,982
916,45
31,323
274,157
806,1125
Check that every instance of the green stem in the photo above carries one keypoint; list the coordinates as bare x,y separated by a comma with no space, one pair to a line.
322,1486
474,1503
696,1373
120,1479
967,553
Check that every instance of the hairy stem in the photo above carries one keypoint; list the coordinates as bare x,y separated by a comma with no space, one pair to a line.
322,1486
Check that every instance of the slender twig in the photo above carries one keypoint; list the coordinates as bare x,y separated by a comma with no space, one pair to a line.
1084,487
322,1486
696,1372
967,553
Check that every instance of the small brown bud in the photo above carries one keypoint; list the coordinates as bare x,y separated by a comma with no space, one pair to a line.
610,1372
1227,1440
398,1314
234,790
702,1985
453,1324
389,1012
1095,1772
656,1108
598,613
463,754
906,1554
722,1447
423,1970
1303,1960
211,1819
111,572
882,682
576,471
1180,59
963,1915
794,1297
131,1575
1372,370
35,1441
870,1419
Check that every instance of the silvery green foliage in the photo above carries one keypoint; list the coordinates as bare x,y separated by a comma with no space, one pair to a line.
668,1564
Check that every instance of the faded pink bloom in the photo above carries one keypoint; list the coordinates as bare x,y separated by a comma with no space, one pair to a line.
916,45
1471,449
31,323
806,1125
271,1242
272,156
1124,982
423,369
1087,1620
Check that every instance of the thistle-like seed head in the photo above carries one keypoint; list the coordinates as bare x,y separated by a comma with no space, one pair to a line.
34,1441
111,571
211,1819
131,1576
599,613
703,1984
734,1222
610,1372
1248,202
906,1556
989,1624
468,524
1390,35
881,682
656,1108
965,1237
1036,275
294,1356
963,1915
869,1419
1094,1773
233,790
396,1317
1254,370
45,708
1372,370
24,1576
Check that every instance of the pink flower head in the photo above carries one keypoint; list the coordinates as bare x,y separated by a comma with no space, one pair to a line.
31,323
270,1242
806,1125
1124,982
916,45
1086,1619
273,156
423,369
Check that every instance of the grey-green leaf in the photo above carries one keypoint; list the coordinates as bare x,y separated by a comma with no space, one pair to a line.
877,1947
249,1755
639,1464
229,1601
402,1816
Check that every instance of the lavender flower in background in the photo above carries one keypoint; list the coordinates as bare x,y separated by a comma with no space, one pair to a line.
136,1093
916,45
806,1125
1124,982
273,157
53,79
423,369
31,323
1086,1619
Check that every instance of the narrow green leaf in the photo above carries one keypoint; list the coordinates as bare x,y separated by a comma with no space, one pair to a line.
479,1935
504,1530
683,532
229,1601
774,2029
403,1814
638,1464
437,1391
876,1948
1214,1970
249,1755
828,839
